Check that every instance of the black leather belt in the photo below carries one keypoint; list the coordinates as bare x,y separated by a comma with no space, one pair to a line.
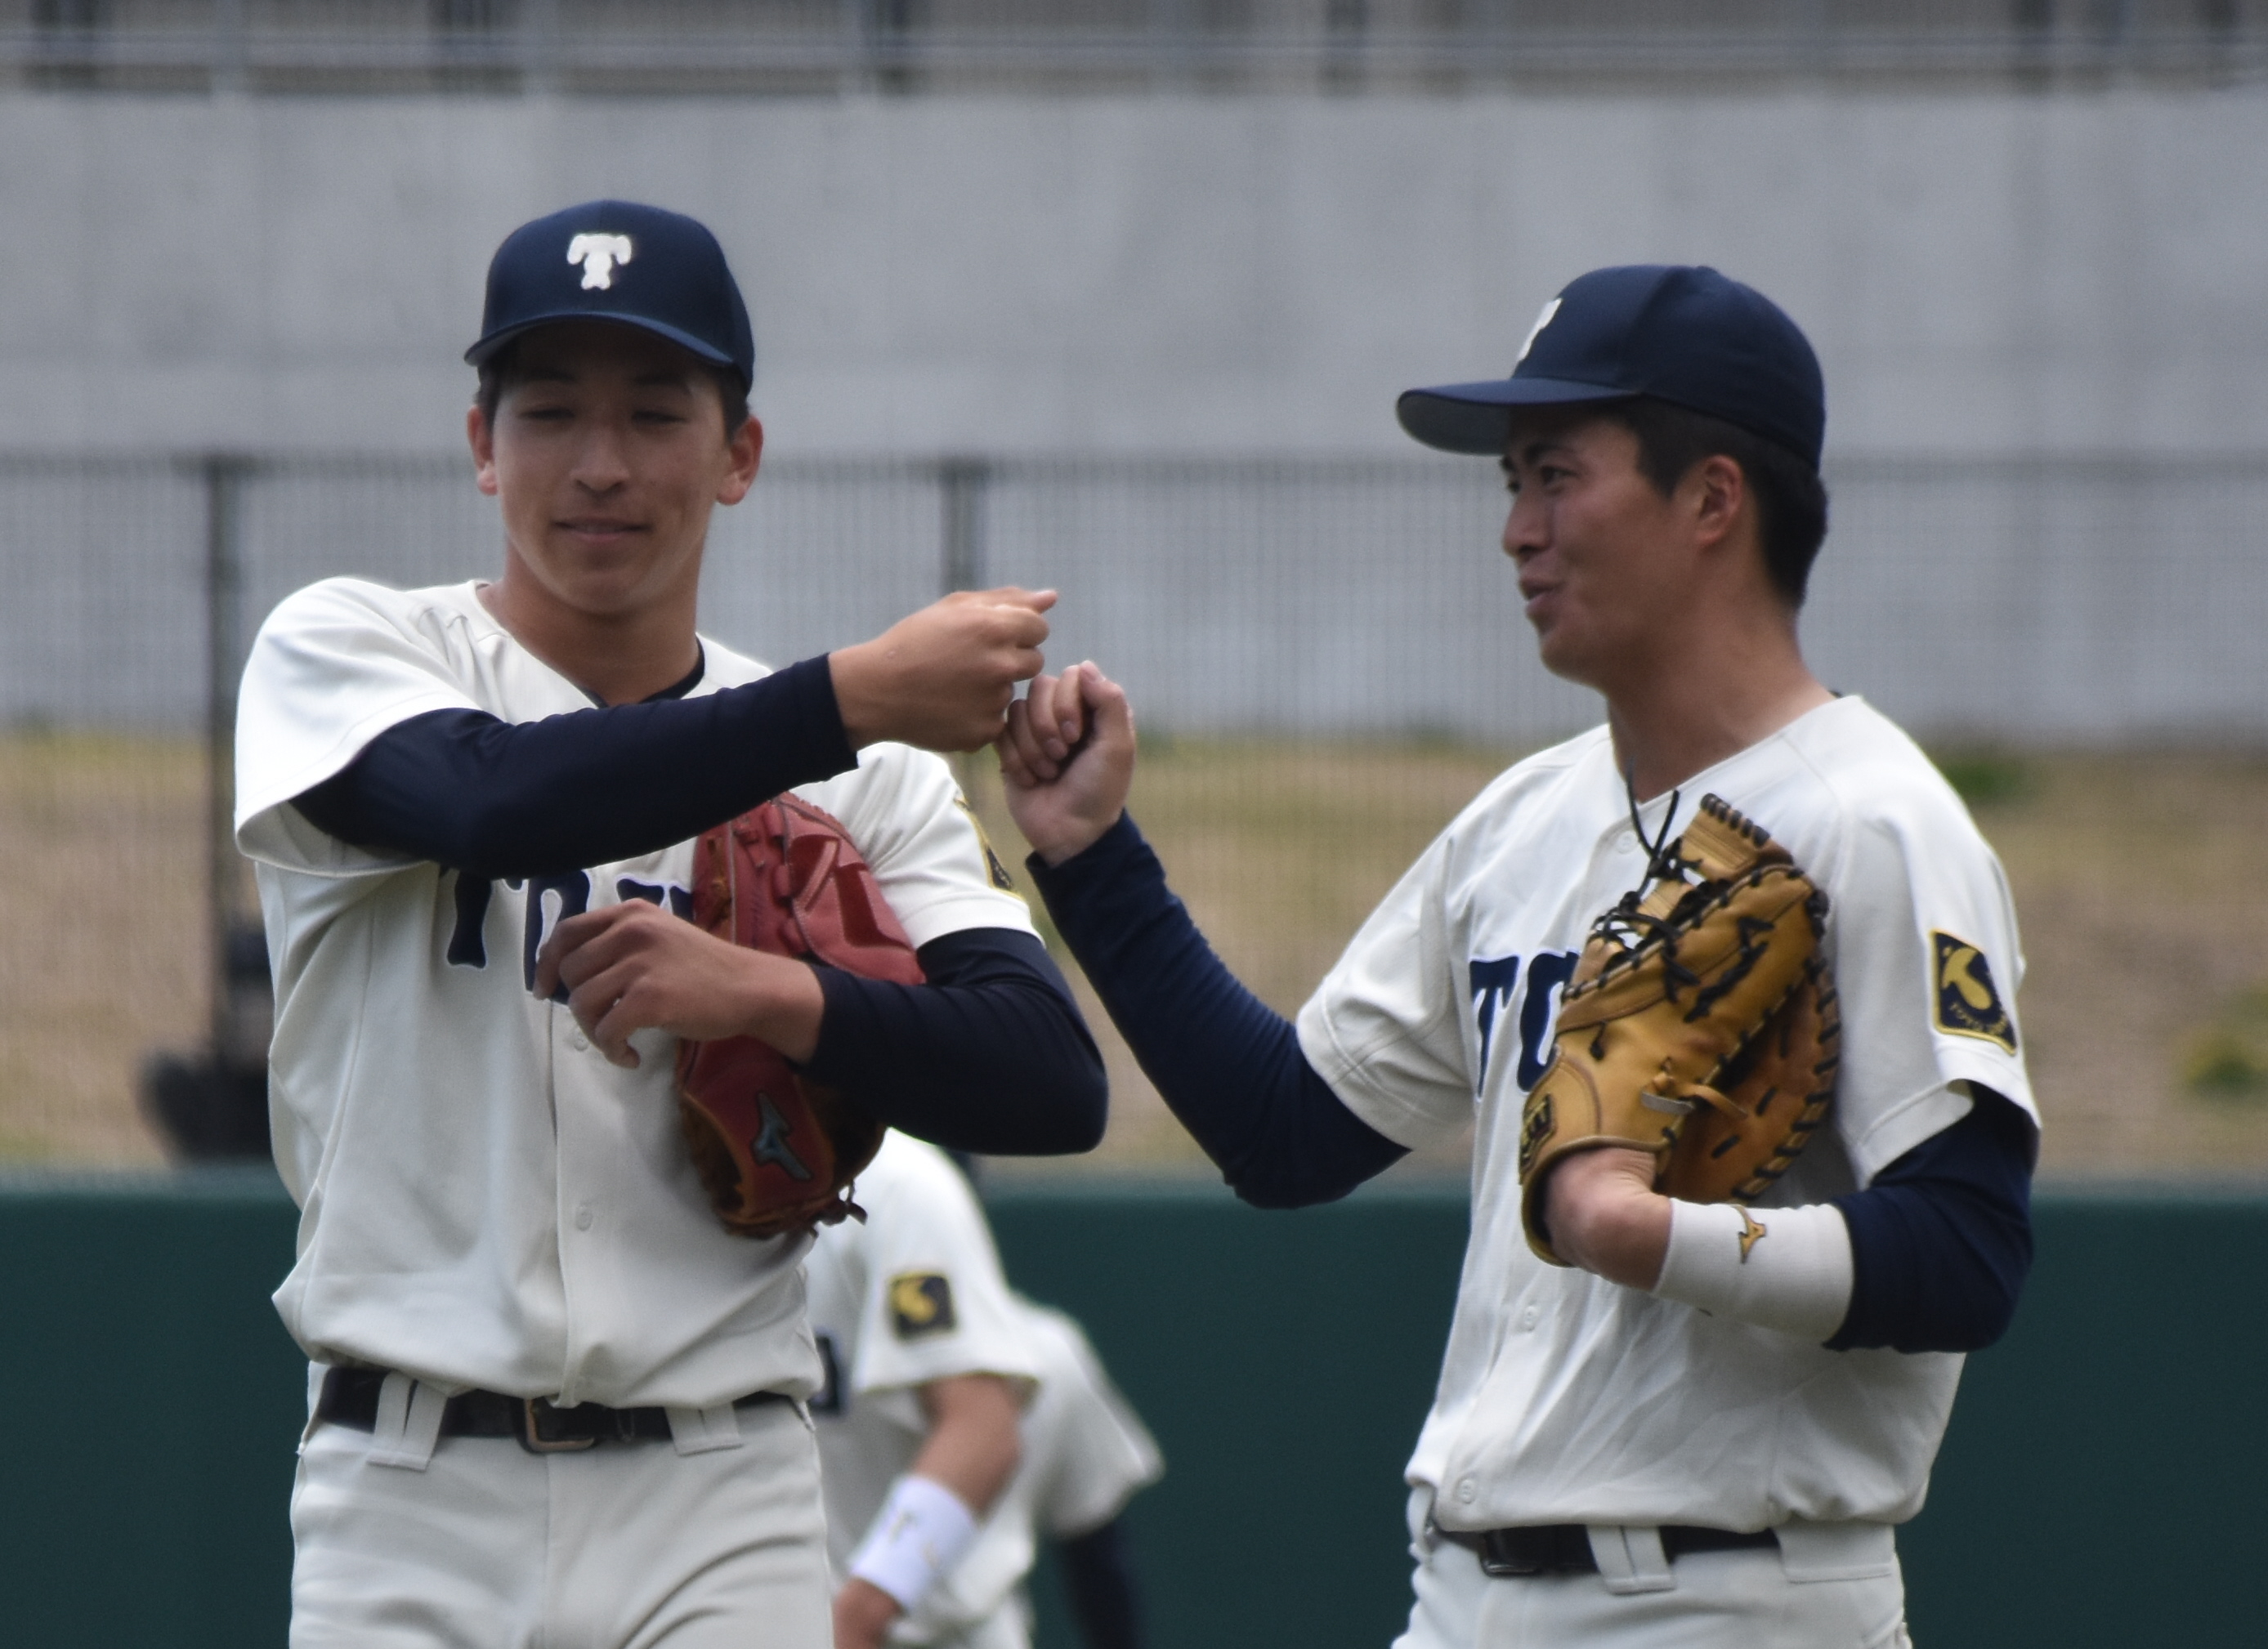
350,1398
1565,1548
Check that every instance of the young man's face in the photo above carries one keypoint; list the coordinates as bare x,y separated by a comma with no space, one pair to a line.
607,453
1604,559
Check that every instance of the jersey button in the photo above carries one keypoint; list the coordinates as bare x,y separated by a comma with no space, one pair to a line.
1528,1318
1467,1492
579,1042
582,1217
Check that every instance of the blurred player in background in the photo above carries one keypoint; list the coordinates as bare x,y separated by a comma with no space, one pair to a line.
959,1424
1085,1455
1696,1422
553,1400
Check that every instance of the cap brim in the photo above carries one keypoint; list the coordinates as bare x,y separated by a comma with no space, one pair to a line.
1477,418
488,346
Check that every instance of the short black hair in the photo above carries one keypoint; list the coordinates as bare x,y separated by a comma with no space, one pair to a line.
1791,498
495,376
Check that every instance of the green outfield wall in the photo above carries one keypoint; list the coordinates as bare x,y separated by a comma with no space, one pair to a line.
2101,1483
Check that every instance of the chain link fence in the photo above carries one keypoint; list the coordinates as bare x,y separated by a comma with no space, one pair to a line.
1327,658
707,46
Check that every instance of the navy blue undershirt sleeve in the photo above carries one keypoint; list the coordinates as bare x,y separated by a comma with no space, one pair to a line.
1229,1066
1941,1241
1098,1578
495,799
990,1055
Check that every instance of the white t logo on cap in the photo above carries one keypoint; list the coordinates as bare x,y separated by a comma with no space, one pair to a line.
1527,343
598,255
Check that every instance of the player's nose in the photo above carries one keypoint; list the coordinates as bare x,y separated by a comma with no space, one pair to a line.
601,463
1527,527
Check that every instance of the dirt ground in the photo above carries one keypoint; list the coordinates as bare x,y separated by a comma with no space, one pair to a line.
2139,879
103,962
2142,890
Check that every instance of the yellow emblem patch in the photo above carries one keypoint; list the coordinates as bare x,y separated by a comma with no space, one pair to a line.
996,869
921,1302
1967,1002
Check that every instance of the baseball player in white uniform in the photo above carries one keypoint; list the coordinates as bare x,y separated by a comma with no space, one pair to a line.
1086,1454
553,1401
1705,1429
959,1423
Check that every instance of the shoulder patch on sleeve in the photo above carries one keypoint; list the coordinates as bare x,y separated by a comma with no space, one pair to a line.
920,1303
996,870
1967,1002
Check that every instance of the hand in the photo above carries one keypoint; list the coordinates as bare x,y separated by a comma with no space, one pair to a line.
633,966
1068,758
1605,1216
863,1614
943,678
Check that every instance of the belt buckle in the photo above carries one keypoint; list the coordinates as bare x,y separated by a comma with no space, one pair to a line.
1496,1560
532,1435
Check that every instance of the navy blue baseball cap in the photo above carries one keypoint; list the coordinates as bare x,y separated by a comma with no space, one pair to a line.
618,260
1679,334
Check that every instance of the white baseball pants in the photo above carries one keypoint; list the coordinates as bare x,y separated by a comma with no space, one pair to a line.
715,1540
1005,1628
1831,1587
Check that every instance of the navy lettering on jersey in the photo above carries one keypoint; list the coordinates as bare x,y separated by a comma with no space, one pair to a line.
1547,976
574,891
1492,979
678,899
467,945
829,1397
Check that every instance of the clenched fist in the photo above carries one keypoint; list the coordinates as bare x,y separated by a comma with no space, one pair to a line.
1067,754
943,678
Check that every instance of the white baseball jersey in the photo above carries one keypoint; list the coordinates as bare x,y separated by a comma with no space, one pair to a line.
1566,1398
913,1294
486,1200
1086,1453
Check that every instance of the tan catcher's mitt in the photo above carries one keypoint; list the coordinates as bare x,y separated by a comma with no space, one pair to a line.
1701,1024
775,1152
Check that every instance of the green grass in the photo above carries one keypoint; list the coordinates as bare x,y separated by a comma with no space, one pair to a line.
1987,778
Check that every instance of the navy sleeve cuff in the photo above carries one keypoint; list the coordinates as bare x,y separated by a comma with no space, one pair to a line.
495,799
990,1055
1229,1066
1941,1241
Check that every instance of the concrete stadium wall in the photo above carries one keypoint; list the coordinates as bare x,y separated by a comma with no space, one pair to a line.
1994,271
2099,1487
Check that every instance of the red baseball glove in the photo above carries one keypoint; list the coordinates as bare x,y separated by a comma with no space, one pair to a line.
777,1153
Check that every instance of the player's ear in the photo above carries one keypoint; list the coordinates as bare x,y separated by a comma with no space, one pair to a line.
1719,492
482,440
747,447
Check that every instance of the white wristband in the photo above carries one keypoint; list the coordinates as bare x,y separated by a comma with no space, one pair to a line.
1787,1269
921,1533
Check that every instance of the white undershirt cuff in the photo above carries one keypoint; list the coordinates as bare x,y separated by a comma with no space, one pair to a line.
1787,1269
921,1532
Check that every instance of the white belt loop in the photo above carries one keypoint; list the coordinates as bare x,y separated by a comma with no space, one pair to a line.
703,1431
1630,1558
408,1423
1837,1551
1424,1537
315,1373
